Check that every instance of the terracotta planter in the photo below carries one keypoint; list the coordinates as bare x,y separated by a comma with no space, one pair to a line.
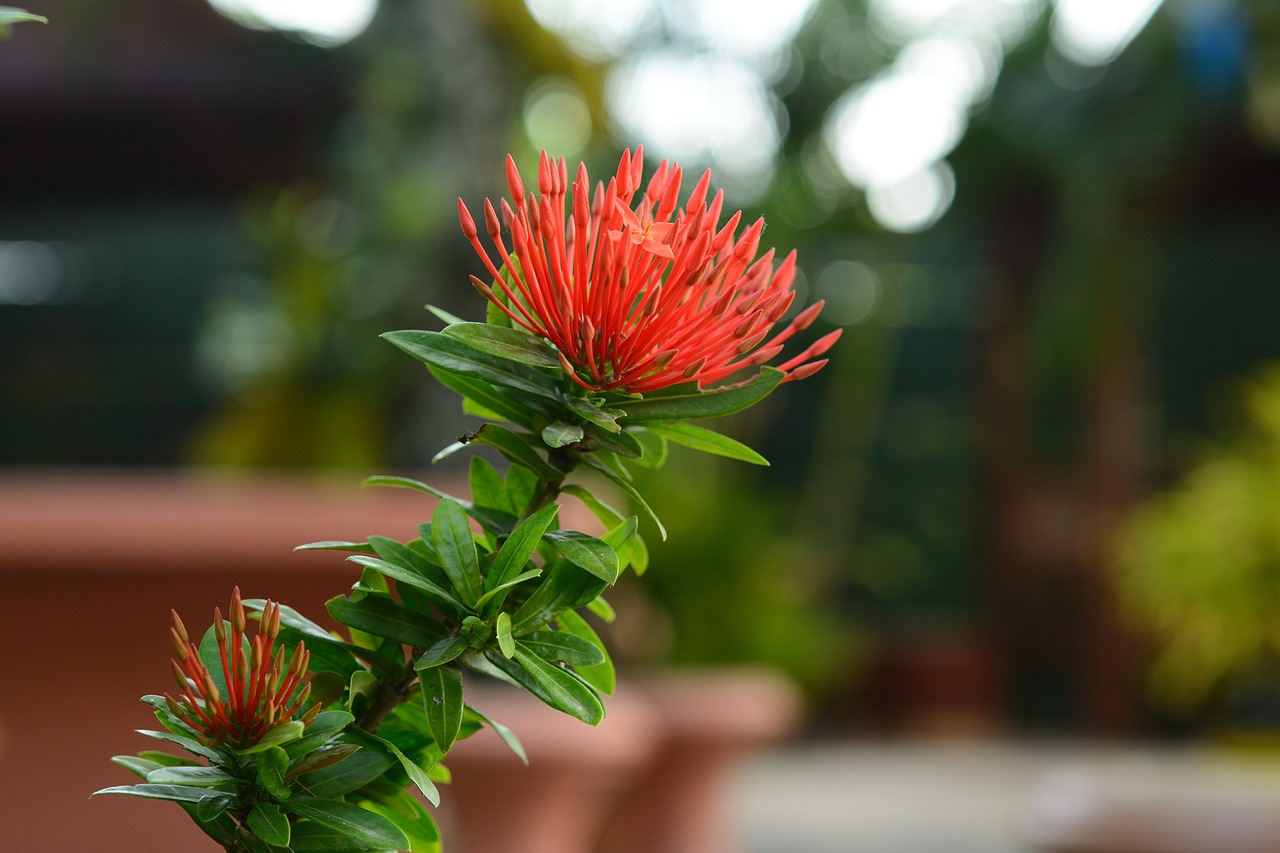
575,775
710,720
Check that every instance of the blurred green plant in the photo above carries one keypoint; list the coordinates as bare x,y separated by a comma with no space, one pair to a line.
10,16
1200,563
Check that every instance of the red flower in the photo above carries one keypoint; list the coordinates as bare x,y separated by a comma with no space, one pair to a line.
260,687
639,298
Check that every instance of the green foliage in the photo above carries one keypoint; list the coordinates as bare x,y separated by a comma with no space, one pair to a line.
10,16
1200,563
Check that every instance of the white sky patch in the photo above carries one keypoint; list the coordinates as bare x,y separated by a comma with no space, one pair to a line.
914,202
1006,21
696,108
1094,32
896,126
594,29
328,23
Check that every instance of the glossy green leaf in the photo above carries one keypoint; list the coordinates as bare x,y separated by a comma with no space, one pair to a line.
654,447
707,441
137,765
706,404
602,608
561,434
559,688
172,793
380,616
210,815
277,736
442,652
502,628
401,554
450,354
492,403
506,343
166,759
515,552
270,824
315,838
565,647
413,819
372,831
563,586
590,410
320,757
189,744
586,552
630,490
417,774
196,777
336,545
273,767
518,450
350,774
601,676
442,597
451,536
508,737
442,699
492,600
487,488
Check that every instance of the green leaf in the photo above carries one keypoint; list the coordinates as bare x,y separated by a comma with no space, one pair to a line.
590,410
495,597
189,744
653,447
416,773
350,774
707,441
320,757
560,434
519,547
490,402
630,490
586,552
137,765
705,404
442,652
559,688
565,647
487,488
336,545
563,586
508,737
372,831
442,698
413,819
401,554
273,766
278,736
438,594
623,443
270,824
601,608
196,777
516,449
451,535
601,676
172,793
377,614
506,343
503,630
450,354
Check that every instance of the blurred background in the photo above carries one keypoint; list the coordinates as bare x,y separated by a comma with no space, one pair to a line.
1034,497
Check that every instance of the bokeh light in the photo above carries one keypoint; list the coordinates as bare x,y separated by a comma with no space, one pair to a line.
329,23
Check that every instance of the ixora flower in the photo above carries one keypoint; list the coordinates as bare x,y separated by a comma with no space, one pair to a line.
637,295
261,690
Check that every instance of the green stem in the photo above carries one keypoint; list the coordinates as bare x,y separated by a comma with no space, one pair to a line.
391,692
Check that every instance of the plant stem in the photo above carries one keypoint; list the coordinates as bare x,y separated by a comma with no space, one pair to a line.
390,694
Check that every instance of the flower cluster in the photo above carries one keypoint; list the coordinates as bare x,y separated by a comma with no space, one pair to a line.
637,297
261,689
